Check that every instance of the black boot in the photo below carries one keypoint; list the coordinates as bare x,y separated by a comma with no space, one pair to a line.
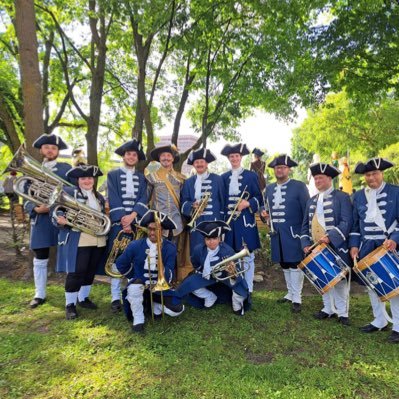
70,311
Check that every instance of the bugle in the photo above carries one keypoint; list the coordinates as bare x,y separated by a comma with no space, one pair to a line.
201,206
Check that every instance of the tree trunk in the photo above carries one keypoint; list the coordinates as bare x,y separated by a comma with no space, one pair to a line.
29,68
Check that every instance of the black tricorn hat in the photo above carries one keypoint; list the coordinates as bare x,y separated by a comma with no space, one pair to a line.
373,164
324,169
257,152
282,159
202,153
132,145
238,148
50,139
149,217
84,171
212,228
171,148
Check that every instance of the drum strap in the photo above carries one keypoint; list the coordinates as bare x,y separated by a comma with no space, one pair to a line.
317,229
392,227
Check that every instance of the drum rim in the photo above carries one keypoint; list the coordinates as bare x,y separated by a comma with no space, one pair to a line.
371,258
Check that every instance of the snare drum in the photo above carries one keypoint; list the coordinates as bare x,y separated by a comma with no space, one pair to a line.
379,270
324,268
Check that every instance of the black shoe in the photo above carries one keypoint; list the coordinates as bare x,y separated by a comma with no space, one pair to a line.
70,312
344,321
239,312
296,307
138,328
370,328
116,306
283,300
323,315
394,337
88,304
35,302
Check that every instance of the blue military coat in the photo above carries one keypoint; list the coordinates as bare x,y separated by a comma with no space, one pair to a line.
134,256
43,233
214,209
367,235
244,229
68,238
338,218
195,280
122,204
287,215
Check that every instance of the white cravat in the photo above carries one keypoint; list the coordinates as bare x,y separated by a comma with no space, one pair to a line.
373,213
320,206
49,164
198,185
206,272
91,199
234,188
278,198
129,181
152,255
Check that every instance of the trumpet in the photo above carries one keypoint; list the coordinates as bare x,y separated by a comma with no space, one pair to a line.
38,184
120,243
201,206
235,213
78,215
224,265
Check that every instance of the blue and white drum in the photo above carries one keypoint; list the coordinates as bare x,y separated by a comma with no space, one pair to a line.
379,270
324,268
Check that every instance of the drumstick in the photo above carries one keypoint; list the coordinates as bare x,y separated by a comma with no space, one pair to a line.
316,244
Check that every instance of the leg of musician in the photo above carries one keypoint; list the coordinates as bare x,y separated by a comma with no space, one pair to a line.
296,288
208,296
249,274
340,294
380,320
135,296
40,262
237,302
116,305
394,337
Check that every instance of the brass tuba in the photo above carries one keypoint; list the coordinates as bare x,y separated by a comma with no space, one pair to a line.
80,216
201,206
120,243
223,265
38,184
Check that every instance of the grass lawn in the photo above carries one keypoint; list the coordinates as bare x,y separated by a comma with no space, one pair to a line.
268,353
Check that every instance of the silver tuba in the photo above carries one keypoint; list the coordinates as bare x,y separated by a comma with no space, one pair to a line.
38,184
222,266
79,215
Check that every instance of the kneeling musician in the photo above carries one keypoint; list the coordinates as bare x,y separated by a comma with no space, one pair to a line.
216,278
149,264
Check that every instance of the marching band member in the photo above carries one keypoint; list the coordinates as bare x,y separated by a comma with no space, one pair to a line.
242,188
205,290
196,187
43,234
127,197
287,199
258,166
79,254
376,217
140,262
164,186
328,219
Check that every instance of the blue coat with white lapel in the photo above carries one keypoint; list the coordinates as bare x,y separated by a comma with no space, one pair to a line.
133,259
43,233
338,218
367,236
244,228
119,202
287,218
214,209
68,238
195,280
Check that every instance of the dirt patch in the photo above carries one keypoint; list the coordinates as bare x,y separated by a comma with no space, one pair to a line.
260,358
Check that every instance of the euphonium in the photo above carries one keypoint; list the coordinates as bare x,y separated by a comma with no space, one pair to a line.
80,216
201,206
38,184
223,265
120,243
235,213
162,284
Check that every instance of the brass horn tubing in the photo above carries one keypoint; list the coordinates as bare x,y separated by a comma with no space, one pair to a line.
221,266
